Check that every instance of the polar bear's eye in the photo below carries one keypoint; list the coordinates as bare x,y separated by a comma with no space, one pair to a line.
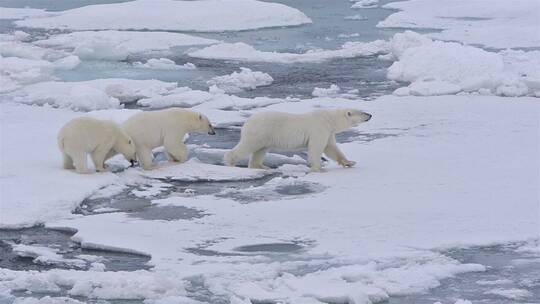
129,142
349,114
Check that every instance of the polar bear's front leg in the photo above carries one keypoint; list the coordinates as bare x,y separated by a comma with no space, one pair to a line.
98,157
334,153
144,155
175,149
315,150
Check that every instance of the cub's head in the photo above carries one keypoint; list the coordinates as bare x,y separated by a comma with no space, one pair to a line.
203,125
126,146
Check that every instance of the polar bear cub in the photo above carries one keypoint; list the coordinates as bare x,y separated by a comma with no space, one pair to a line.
166,128
315,130
102,139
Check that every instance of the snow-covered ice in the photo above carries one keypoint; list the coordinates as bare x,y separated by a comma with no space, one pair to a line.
201,16
118,45
466,136
244,52
90,95
236,82
495,24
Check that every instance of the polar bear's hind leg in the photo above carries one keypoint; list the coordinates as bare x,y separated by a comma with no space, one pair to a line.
257,158
68,162
79,161
239,152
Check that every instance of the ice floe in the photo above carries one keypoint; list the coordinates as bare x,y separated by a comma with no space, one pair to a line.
236,82
90,95
118,45
490,23
202,16
244,52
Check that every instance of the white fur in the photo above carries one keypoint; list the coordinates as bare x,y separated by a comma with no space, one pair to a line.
315,130
166,128
102,139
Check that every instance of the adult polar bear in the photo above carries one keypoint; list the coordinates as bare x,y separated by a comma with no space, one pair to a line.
315,130
166,128
102,139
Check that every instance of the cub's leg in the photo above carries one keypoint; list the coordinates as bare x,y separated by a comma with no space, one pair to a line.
68,162
257,158
239,152
144,155
98,157
175,149
334,153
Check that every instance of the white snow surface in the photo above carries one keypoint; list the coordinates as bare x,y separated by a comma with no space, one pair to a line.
244,52
435,181
118,45
202,16
236,82
494,24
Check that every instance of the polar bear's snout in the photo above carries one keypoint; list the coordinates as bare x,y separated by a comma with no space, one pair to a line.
211,130
368,116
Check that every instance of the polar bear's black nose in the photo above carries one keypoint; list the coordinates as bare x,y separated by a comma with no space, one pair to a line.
368,116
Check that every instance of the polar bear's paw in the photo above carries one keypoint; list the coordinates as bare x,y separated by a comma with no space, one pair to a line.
347,163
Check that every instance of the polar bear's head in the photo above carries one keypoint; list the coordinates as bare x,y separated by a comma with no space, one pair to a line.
348,118
202,124
125,145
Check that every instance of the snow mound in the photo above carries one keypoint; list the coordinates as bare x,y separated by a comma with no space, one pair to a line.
90,95
332,91
438,68
118,45
244,52
193,170
202,16
490,23
236,82
124,285
164,64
